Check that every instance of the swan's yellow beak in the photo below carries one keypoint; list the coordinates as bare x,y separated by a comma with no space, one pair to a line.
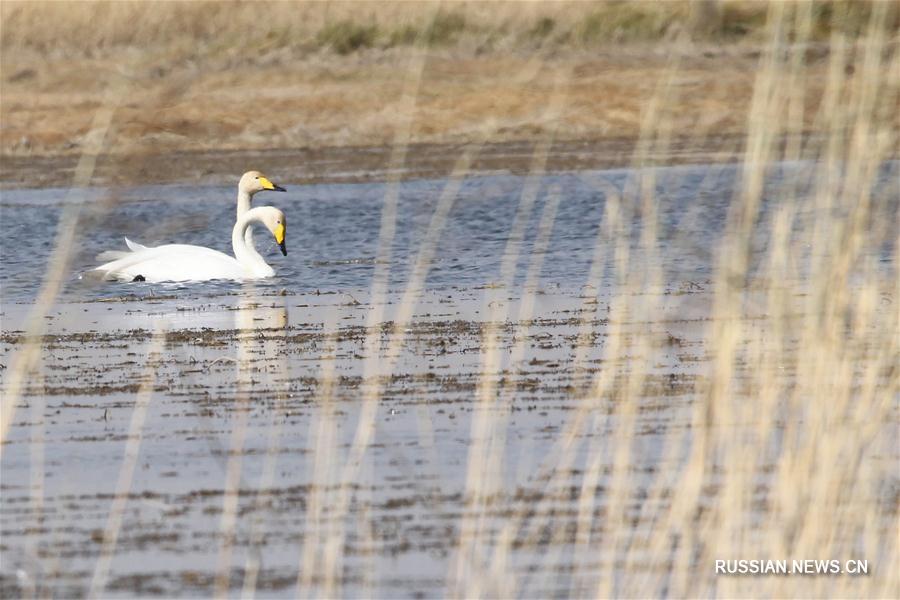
279,237
268,185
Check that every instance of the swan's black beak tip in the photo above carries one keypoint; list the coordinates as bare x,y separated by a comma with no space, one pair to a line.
278,188
283,248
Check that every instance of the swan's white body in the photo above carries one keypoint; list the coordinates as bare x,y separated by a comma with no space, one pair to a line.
183,262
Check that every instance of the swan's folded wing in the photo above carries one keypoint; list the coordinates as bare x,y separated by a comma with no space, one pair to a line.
173,262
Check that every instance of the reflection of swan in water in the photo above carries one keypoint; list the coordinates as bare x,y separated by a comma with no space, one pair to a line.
182,262
251,317
258,329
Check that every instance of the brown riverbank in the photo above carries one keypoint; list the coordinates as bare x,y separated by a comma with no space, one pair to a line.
328,100
331,94
337,118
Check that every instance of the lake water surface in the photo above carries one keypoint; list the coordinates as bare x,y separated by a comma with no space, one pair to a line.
333,229
288,363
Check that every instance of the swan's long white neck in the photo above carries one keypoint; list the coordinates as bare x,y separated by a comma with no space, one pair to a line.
243,202
244,199
245,252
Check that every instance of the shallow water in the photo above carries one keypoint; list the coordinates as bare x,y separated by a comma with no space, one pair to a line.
332,236
288,362
214,375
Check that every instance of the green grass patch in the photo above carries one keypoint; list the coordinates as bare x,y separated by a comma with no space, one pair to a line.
738,21
347,36
624,22
406,35
445,28
542,28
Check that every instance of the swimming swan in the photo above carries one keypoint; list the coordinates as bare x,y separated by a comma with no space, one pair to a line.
251,183
181,262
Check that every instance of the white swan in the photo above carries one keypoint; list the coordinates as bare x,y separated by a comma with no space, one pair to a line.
251,183
182,262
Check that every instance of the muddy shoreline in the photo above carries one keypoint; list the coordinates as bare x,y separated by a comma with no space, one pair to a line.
355,164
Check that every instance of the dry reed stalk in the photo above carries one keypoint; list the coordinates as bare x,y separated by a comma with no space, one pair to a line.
644,284
482,477
764,128
840,319
412,293
247,348
510,532
614,228
637,350
129,460
386,234
27,359
366,423
274,319
564,453
414,289
818,363
365,427
401,320
37,473
312,564
500,576
747,457
409,300
726,333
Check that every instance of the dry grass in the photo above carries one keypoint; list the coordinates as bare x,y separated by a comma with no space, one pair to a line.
186,30
325,101
256,75
785,454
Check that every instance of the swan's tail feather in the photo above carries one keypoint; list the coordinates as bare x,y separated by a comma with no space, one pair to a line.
111,255
134,246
